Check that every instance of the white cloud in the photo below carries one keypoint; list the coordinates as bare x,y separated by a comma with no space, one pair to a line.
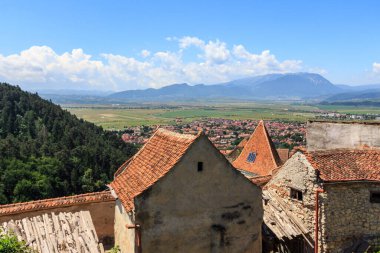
188,41
376,67
213,62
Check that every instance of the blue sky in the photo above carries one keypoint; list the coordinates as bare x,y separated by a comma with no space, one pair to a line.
135,44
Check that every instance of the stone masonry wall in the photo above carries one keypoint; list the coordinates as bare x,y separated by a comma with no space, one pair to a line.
347,213
297,173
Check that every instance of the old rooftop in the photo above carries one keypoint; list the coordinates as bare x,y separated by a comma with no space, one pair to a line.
346,164
62,232
259,155
55,202
160,154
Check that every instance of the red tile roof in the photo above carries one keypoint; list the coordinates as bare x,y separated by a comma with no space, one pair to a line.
346,164
261,181
261,144
283,153
37,205
162,151
242,143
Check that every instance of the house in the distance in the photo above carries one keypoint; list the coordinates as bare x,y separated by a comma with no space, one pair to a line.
180,194
326,198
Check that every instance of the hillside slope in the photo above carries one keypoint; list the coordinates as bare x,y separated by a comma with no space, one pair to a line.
47,152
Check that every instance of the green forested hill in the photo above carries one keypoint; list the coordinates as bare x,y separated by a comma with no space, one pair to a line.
47,152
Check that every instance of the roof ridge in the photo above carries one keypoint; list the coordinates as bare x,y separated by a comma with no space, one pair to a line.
163,150
175,134
57,202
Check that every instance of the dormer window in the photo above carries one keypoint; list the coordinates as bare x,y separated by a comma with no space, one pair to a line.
251,157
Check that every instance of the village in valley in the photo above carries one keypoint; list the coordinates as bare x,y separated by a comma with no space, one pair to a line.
226,134
180,193
189,126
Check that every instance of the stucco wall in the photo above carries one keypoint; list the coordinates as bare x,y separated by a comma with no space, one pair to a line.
102,215
322,135
214,210
297,173
124,237
348,214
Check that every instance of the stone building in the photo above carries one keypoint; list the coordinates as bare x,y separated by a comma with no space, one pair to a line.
180,194
327,200
259,156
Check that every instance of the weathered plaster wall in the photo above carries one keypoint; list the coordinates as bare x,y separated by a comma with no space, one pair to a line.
348,214
102,215
214,210
323,135
124,237
297,173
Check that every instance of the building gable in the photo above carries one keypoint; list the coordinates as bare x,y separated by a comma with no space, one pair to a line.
197,207
158,156
259,155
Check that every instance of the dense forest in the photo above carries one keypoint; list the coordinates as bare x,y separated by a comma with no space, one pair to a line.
47,152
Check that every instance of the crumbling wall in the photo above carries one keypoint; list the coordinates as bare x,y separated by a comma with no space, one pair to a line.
102,215
329,135
348,215
216,209
297,173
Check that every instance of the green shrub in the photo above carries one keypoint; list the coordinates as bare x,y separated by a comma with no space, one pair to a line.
10,244
115,249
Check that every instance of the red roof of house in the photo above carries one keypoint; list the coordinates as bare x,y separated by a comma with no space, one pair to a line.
346,164
162,151
260,144
242,143
93,197
283,153
261,180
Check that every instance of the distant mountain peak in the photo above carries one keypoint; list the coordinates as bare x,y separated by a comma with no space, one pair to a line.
271,86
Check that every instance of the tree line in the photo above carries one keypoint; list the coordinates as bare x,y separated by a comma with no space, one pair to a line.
47,152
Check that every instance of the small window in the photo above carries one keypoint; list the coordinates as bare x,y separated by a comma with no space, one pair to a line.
296,194
200,166
374,197
251,157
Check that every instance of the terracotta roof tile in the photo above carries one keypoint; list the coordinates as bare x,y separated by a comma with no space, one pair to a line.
242,143
346,164
260,144
283,153
55,202
162,151
261,180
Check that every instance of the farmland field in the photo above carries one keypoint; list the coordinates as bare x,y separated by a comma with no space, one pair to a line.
110,117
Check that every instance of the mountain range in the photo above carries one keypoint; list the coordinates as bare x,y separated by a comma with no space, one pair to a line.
291,86
273,86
